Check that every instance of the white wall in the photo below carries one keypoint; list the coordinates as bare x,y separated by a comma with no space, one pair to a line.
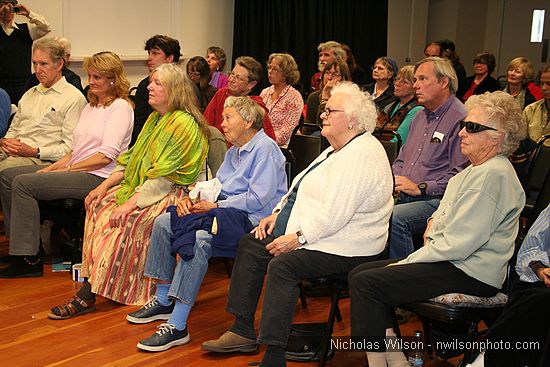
123,26
499,26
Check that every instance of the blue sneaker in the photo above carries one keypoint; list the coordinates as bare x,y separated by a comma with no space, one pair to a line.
166,337
151,311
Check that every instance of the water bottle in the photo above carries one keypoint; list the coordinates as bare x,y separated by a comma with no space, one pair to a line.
416,358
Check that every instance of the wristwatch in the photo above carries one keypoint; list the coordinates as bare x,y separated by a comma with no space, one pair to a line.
301,238
37,153
422,186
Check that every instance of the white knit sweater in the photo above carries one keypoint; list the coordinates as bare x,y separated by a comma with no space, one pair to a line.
343,206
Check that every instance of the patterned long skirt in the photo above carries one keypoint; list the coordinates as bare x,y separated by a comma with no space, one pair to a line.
114,258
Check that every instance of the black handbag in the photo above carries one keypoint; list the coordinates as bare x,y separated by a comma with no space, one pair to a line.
304,342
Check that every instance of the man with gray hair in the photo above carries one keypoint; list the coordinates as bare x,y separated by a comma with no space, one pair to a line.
431,155
70,76
42,129
327,51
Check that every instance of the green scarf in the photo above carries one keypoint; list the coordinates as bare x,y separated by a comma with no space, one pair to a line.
171,146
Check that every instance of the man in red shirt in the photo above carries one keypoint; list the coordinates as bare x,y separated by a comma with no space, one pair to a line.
243,78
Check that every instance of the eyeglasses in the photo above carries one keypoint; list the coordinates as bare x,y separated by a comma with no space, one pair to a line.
273,69
474,127
402,81
238,77
328,111
333,74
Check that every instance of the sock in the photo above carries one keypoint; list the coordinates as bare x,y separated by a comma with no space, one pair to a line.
274,357
479,361
395,358
85,292
244,327
179,315
376,359
162,293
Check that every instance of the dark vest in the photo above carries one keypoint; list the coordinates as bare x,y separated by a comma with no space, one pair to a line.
15,55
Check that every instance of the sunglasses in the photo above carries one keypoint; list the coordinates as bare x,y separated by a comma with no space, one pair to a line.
474,127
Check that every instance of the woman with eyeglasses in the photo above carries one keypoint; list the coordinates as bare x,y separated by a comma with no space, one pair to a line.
334,217
215,56
469,238
284,103
381,90
199,73
481,81
401,112
335,71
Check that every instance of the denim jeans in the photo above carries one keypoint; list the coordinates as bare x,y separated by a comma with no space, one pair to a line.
185,276
409,219
284,274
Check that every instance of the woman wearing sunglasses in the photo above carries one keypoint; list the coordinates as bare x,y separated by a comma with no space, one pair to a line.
469,238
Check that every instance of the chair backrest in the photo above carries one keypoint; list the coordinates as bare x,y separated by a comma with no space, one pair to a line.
290,161
304,148
216,151
539,167
391,147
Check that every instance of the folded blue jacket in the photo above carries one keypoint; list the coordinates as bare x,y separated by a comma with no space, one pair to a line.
232,225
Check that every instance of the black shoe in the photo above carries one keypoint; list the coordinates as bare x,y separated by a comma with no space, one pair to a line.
166,337
23,267
151,311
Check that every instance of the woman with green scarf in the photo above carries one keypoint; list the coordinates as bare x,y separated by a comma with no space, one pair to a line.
152,175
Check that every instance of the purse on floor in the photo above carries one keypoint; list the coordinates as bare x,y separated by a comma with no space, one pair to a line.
304,342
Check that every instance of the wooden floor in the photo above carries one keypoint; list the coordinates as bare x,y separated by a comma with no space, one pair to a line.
104,338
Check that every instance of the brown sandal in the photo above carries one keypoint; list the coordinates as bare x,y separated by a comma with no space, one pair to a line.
72,308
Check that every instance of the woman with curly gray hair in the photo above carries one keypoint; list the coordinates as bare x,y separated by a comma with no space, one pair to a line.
334,217
469,239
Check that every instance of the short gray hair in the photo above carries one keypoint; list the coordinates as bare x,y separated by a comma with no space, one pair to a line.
442,68
50,45
248,109
501,109
336,47
358,105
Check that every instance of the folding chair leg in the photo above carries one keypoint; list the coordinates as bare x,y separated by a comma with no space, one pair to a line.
337,291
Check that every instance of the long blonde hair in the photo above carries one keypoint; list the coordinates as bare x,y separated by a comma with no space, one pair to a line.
109,65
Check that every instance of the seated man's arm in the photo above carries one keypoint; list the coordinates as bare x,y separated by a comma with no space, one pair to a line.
533,262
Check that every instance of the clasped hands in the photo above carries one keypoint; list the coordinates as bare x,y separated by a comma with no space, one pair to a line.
279,245
405,185
15,147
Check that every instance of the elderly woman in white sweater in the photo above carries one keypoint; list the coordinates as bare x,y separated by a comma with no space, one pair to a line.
334,217
469,238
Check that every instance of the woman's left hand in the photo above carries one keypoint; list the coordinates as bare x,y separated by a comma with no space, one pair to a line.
283,244
203,206
119,215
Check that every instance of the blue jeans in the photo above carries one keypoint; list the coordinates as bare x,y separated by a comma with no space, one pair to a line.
185,276
409,219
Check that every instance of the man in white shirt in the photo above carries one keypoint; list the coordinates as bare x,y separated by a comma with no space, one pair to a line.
42,129
15,46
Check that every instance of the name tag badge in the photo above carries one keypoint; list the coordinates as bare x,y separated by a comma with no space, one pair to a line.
437,137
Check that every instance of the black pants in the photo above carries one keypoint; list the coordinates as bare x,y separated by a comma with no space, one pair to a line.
525,319
375,288
284,273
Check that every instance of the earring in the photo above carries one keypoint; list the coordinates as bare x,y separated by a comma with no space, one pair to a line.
350,126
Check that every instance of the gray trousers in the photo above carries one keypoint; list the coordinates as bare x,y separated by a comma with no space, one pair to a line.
21,189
